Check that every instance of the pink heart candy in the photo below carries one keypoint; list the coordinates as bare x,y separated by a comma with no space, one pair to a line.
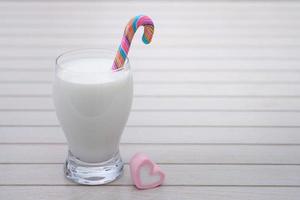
145,173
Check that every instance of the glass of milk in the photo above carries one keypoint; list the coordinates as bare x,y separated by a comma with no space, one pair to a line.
92,105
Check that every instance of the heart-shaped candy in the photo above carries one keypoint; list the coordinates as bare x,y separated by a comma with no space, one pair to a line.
145,173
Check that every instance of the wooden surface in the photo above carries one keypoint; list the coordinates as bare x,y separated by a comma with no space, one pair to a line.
216,97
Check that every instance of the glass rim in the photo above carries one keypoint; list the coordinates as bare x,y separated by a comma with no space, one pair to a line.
108,51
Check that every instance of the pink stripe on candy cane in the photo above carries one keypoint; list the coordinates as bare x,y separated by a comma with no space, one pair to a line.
144,21
125,45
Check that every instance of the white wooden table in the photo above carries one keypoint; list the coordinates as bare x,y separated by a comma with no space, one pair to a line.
217,97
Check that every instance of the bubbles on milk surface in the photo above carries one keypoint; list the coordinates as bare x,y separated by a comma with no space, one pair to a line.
89,71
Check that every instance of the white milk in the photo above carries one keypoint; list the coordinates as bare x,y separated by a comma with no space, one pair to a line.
92,105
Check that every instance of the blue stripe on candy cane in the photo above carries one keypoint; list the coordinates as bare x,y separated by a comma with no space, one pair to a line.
135,22
123,54
145,40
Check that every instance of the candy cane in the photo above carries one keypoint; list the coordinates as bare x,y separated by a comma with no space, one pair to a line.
130,29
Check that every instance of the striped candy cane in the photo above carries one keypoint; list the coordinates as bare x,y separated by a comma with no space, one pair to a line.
131,28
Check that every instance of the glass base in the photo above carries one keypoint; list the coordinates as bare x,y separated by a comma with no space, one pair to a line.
93,173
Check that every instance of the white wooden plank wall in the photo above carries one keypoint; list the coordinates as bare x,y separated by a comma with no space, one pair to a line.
216,97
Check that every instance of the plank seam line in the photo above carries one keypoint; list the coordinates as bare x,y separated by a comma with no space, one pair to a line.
176,82
165,96
162,46
172,110
166,126
157,144
166,58
170,96
159,70
169,185
168,163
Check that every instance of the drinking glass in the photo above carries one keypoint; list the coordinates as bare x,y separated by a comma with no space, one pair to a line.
92,103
